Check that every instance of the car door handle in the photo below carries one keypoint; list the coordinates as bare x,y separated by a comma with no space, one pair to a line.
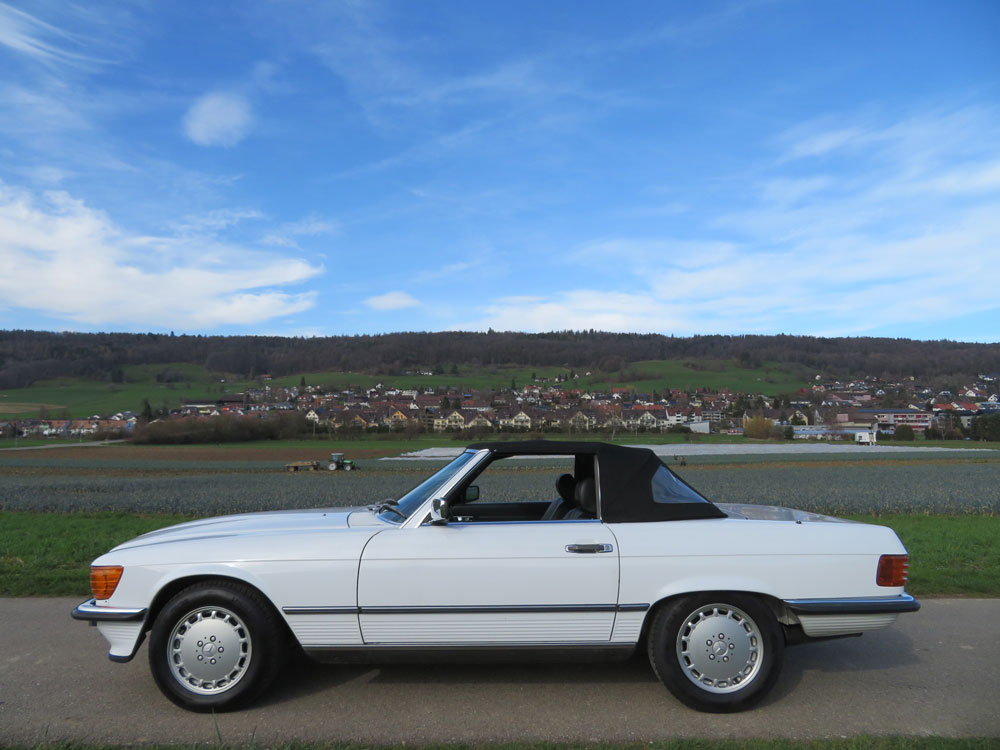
589,548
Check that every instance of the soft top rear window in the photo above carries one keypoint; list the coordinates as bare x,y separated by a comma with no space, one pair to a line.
668,488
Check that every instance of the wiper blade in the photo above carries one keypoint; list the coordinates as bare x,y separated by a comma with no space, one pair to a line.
389,505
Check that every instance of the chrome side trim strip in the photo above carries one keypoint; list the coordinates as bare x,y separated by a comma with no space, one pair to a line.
90,611
489,609
502,646
321,610
856,606
475,609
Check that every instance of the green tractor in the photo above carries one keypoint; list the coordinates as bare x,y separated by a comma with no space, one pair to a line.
339,463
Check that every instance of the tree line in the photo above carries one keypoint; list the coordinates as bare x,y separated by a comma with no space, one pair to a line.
29,356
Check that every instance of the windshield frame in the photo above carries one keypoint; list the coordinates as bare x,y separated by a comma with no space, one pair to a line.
436,485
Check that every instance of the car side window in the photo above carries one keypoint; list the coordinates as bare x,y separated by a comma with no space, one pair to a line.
669,488
516,489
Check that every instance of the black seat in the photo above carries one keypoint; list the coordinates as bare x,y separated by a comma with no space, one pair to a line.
565,486
586,496
585,499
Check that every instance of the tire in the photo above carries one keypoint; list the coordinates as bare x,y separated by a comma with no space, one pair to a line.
216,646
717,652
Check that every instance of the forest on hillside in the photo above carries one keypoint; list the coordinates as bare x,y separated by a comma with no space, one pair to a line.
29,356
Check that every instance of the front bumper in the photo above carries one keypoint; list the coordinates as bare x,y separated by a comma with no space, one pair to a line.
122,627
90,610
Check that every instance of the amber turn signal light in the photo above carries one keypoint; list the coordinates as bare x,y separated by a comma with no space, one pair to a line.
892,570
104,580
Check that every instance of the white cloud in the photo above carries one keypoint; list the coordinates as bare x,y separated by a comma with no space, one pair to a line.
580,309
218,118
392,301
59,256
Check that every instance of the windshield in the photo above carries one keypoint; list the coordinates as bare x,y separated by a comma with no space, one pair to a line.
413,499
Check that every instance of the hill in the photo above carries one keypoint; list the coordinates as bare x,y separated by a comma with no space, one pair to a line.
81,374
29,356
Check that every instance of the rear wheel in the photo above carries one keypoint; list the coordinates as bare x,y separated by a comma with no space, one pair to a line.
718,652
215,646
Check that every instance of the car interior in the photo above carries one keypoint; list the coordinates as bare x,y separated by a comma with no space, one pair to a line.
488,496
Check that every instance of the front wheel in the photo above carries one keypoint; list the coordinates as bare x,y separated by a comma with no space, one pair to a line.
719,652
215,646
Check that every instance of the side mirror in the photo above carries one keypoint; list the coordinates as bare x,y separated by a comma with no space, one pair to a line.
471,493
439,512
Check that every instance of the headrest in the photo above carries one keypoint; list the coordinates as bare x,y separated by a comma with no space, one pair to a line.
586,495
565,485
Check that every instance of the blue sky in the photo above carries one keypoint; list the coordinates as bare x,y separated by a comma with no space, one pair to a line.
293,168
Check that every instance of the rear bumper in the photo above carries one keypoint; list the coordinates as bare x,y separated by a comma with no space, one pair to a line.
832,618
874,605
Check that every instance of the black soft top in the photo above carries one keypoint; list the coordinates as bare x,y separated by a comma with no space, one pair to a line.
626,478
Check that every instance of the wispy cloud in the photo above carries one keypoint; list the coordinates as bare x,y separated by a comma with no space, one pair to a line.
309,226
97,274
39,40
214,221
448,270
219,118
392,301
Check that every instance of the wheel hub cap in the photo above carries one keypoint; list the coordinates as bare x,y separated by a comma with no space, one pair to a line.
719,648
209,650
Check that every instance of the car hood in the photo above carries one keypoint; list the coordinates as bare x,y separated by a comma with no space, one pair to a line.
259,524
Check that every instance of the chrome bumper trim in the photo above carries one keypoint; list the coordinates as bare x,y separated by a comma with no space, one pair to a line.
874,605
90,611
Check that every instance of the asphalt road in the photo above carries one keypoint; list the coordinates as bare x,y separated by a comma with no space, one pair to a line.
936,672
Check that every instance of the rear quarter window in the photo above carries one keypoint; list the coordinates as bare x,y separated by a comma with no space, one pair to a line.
667,488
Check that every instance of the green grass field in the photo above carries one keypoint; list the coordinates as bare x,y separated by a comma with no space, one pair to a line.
76,398
60,509
659,375
688,375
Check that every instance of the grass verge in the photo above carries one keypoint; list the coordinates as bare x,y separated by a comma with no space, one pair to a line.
48,554
949,555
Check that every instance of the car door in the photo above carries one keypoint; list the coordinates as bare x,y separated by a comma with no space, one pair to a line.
503,583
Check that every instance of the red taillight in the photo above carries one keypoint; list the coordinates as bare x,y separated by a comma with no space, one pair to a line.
104,580
892,570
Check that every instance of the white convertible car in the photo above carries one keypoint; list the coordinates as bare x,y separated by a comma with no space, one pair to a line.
624,555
